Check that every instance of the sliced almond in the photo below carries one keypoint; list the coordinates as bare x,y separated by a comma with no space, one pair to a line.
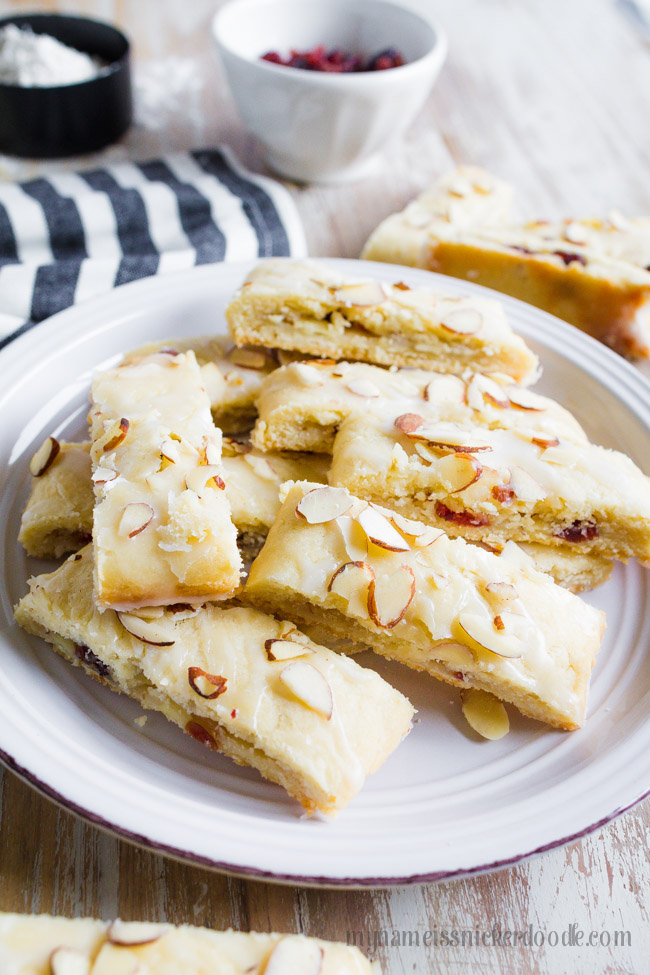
452,653
354,538
136,516
480,630
204,477
261,467
118,435
249,359
407,525
283,649
389,596
134,933
69,961
306,375
457,471
463,321
523,399
102,475
408,423
351,581
485,714
501,593
445,389
481,388
148,631
574,233
360,295
380,531
545,442
211,452
324,504
114,960
206,685
430,536
363,387
44,456
295,956
308,684
525,486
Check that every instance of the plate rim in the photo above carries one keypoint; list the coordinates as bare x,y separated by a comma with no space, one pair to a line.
133,296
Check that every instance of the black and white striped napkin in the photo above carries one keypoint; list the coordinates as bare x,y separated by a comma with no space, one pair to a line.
73,236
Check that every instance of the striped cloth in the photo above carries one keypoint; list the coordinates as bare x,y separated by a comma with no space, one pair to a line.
73,236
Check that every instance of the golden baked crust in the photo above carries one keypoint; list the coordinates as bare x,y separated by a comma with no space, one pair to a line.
162,529
301,406
28,942
318,310
439,605
58,516
209,670
497,485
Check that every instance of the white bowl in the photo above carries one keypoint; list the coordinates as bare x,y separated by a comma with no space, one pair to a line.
316,125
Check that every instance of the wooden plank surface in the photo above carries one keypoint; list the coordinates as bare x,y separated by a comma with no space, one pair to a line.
553,95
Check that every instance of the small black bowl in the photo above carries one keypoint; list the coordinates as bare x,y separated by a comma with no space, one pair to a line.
48,123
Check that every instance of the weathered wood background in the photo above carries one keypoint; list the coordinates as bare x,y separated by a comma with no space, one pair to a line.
555,95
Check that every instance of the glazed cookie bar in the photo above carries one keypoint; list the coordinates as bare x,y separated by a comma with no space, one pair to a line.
232,377
439,605
301,406
43,945
497,485
238,681
58,517
162,529
465,197
324,312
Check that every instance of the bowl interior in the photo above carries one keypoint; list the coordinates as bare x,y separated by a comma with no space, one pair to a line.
250,28
90,36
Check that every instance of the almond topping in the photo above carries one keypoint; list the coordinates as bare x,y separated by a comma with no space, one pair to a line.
68,961
463,321
134,933
525,400
261,467
306,374
295,956
408,423
249,359
457,471
351,581
360,295
482,388
501,592
308,684
363,387
525,486
281,648
485,714
104,474
390,596
545,442
44,457
380,532
321,505
201,683
148,631
452,653
137,516
204,476
481,631
444,389
119,433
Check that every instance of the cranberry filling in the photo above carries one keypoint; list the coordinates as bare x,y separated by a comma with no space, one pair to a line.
336,61
460,517
92,660
569,258
579,531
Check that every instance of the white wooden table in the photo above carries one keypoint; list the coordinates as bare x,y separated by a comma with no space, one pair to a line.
554,95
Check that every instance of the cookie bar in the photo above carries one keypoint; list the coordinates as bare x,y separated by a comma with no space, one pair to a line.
302,405
232,377
58,517
465,197
322,311
162,530
44,945
436,604
496,485
235,679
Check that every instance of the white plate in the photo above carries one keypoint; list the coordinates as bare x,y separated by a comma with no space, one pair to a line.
445,804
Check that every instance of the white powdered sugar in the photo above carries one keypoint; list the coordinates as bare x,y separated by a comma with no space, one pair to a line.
40,61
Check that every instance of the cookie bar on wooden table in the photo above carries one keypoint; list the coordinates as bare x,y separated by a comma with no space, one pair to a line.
162,530
322,311
58,517
244,683
45,945
436,604
497,485
301,406
465,197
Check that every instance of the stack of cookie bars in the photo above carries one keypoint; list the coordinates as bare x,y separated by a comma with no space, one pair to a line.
367,467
